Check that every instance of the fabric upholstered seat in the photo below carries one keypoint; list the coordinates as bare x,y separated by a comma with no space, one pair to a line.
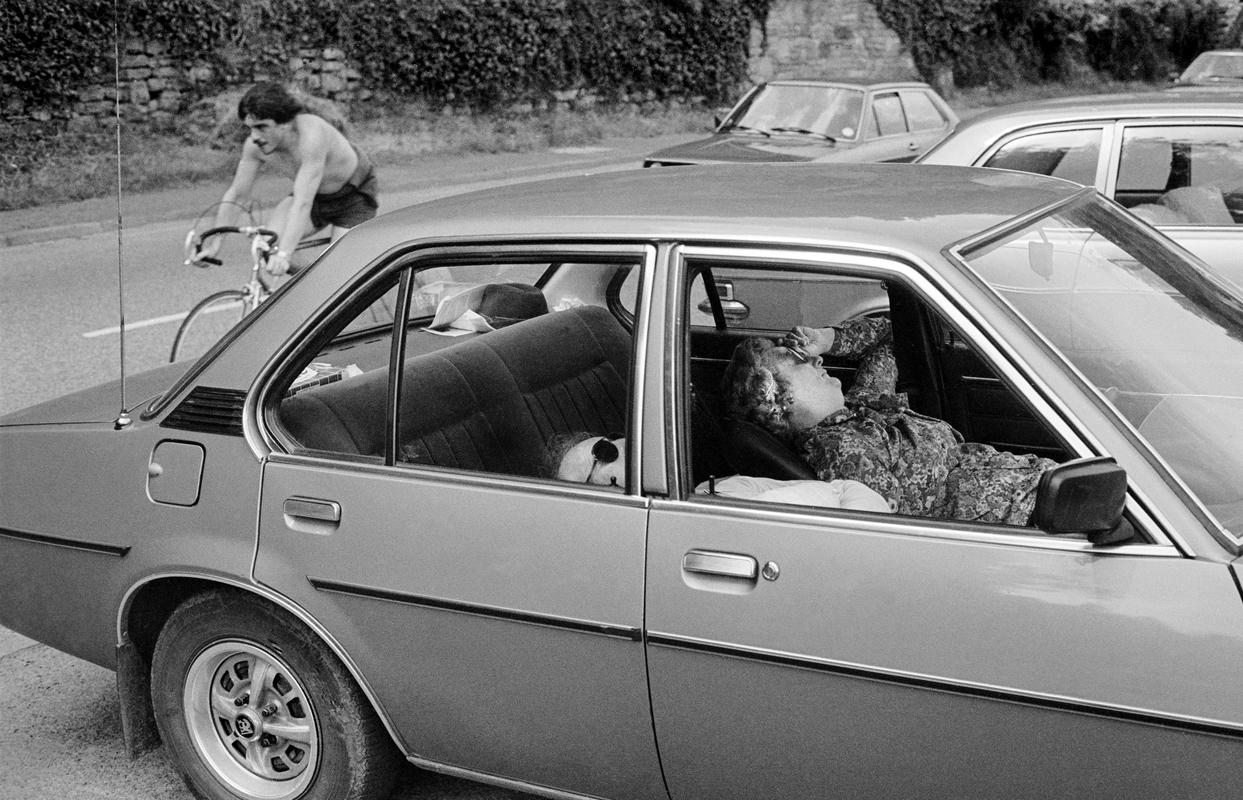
490,403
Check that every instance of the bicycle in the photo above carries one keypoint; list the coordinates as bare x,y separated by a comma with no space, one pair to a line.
215,315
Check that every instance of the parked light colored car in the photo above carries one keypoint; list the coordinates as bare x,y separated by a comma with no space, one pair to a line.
1174,158
1222,68
821,121
329,547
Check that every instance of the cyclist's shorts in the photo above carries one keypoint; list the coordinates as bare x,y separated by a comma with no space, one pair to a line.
347,206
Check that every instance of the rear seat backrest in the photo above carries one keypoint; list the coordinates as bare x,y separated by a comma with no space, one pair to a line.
489,403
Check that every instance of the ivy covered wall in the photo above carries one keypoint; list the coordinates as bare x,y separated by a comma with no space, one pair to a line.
58,58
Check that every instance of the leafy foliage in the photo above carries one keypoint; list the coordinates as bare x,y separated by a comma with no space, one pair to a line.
1004,42
480,53
49,47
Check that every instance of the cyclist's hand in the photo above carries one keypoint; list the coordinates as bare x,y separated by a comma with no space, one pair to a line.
205,255
277,263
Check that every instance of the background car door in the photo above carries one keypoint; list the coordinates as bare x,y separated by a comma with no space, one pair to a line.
1191,175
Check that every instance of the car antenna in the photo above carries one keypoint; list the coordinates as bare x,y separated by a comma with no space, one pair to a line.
123,419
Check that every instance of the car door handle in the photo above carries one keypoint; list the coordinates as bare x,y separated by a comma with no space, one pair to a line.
729,565
312,509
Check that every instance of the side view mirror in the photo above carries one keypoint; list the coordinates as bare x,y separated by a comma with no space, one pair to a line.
1085,496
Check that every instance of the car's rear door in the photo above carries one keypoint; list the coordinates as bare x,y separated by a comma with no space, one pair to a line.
811,653
494,618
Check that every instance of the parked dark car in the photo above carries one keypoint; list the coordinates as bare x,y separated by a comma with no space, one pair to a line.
332,546
821,121
1173,157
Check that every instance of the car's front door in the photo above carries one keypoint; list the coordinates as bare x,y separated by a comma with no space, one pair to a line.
1191,174
495,618
802,652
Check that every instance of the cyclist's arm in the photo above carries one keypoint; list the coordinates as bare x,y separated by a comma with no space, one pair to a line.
238,193
312,161
237,196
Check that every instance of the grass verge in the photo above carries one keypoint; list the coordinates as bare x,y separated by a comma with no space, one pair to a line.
39,170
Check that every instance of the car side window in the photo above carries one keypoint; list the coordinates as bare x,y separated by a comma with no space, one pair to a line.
887,114
921,113
1183,174
1070,154
499,360
901,415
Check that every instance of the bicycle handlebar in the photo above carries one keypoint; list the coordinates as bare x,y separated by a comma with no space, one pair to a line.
195,243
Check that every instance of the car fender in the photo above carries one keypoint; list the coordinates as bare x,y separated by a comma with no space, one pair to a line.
140,617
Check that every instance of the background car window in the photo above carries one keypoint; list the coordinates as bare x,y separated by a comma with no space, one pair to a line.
921,113
831,110
888,116
772,300
1160,165
1072,155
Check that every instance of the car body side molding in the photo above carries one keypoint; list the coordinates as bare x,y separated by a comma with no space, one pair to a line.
980,691
582,626
102,548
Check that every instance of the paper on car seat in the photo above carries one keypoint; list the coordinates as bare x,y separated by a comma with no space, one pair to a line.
456,315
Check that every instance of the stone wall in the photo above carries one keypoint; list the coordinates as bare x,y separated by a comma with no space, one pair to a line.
842,39
154,86
827,39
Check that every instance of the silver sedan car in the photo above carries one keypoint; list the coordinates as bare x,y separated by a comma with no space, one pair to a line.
343,539
1174,158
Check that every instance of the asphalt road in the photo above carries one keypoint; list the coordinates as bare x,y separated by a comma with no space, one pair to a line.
60,268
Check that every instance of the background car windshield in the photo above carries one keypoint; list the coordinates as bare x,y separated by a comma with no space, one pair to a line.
1162,343
829,110
1214,68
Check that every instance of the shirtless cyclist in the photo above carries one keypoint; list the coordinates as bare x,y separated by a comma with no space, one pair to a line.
333,181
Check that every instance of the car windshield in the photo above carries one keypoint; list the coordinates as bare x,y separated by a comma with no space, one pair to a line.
832,111
1214,68
1158,335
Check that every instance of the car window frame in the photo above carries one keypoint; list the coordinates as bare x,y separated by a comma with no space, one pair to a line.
1108,182
404,260
874,120
930,288
931,97
1109,144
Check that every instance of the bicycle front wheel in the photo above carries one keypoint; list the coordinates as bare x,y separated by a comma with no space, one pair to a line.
209,320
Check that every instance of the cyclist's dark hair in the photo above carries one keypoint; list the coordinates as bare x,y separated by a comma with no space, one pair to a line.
269,101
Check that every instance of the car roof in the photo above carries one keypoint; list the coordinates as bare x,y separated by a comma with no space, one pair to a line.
918,209
863,85
1187,101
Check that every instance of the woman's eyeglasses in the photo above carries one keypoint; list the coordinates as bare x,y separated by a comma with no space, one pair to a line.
604,451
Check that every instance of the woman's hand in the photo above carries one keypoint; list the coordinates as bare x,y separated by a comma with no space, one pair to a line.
810,342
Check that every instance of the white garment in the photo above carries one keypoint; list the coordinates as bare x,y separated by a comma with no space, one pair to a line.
846,494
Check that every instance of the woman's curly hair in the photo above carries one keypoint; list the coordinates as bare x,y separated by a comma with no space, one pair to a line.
753,391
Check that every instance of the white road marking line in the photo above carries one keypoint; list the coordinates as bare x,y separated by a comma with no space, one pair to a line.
147,323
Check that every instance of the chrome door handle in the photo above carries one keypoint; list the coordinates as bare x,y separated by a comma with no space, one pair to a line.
729,565
310,508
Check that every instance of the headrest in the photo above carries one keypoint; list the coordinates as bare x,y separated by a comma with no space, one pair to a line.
751,450
506,303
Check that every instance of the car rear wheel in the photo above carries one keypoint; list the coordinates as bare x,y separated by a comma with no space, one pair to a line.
252,706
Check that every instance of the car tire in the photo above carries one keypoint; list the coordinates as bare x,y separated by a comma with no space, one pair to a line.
308,733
